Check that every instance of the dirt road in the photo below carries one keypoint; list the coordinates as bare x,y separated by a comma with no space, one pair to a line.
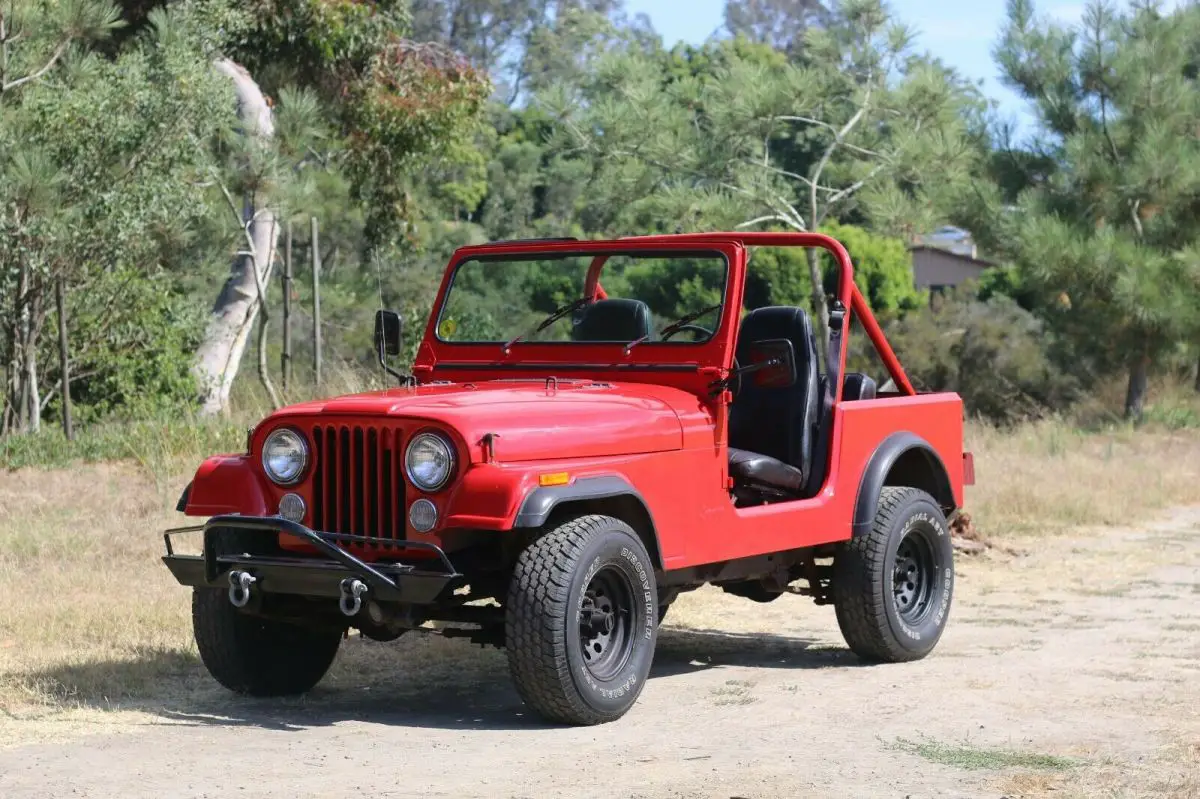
1071,670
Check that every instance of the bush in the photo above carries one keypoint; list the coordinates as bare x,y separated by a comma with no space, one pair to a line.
882,271
994,354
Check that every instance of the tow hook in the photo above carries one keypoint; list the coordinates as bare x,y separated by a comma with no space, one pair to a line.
239,588
352,590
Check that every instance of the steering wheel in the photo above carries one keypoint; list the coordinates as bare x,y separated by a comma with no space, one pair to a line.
693,328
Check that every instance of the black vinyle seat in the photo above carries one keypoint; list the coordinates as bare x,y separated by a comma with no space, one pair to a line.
772,428
613,320
763,471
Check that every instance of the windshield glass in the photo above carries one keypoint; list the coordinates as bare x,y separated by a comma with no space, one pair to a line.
506,299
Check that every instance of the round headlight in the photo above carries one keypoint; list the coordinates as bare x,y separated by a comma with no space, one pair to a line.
429,461
285,456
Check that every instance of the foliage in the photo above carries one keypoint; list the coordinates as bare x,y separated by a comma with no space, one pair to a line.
994,354
99,168
408,129
735,134
413,102
882,271
1108,240
155,440
778,23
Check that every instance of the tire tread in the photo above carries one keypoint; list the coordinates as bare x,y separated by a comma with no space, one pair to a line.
535,634
858,573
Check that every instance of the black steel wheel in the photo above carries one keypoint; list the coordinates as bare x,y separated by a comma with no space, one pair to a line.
913,578
581,620
893,586
605,622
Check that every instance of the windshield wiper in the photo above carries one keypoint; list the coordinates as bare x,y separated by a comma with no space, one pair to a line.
674,327
559,313
679,323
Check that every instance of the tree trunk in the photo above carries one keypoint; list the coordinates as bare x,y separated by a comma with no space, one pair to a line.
1135,395
820,308
286,358
1197,384
31,400
63,359
237,306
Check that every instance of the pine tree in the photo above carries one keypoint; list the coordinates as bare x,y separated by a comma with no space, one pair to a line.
1110,238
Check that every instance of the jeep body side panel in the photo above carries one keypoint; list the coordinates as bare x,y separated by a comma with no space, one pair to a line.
696,523
686,491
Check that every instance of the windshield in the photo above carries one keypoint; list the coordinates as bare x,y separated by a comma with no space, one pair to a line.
646,297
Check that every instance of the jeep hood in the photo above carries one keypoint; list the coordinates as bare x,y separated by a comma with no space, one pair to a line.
535,420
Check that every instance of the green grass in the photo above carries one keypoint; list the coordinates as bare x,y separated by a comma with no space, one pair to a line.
153,443
979,758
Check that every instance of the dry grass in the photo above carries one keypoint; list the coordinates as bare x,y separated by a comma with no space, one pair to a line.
1051,476
90,619
1173,774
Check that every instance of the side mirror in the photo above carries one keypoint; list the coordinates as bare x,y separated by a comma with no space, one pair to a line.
773,362
388,333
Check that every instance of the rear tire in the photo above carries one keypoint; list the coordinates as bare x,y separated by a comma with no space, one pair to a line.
251,655
893,586
581,621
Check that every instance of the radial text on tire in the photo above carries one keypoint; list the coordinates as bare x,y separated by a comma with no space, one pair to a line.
582,620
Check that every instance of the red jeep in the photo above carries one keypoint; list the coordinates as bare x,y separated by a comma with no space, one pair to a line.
550,483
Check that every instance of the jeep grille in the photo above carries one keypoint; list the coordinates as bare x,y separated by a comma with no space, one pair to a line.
357,485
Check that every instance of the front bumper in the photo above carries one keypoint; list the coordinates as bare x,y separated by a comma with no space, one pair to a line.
316,577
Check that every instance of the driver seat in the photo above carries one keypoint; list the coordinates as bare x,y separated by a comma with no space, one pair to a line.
613,319
772,428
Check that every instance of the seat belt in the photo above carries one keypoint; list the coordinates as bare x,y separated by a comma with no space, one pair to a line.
833,358
833,376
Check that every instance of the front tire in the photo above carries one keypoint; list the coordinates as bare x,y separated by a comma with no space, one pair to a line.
581,621
252,655
893,586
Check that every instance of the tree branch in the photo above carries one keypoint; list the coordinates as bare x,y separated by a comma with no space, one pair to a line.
849,190
58,53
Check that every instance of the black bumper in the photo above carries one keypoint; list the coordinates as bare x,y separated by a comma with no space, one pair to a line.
309,576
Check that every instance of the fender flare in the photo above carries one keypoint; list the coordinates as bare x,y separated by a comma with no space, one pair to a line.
879,465
538,504
181,505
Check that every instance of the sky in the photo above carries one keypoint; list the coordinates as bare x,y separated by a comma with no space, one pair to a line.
961,32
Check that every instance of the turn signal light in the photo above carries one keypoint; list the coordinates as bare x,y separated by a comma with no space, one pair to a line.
554,479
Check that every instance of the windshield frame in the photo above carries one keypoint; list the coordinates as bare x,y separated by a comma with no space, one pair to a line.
688,367
592,289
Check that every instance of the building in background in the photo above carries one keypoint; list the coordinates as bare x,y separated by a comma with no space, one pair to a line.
944,259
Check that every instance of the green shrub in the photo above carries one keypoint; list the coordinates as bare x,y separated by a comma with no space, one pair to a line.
994,354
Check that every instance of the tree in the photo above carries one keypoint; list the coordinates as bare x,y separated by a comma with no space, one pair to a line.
98,162
861,126
778,23
1110,238
507,39
391,100
882,272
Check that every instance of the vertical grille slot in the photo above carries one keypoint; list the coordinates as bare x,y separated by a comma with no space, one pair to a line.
357,486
